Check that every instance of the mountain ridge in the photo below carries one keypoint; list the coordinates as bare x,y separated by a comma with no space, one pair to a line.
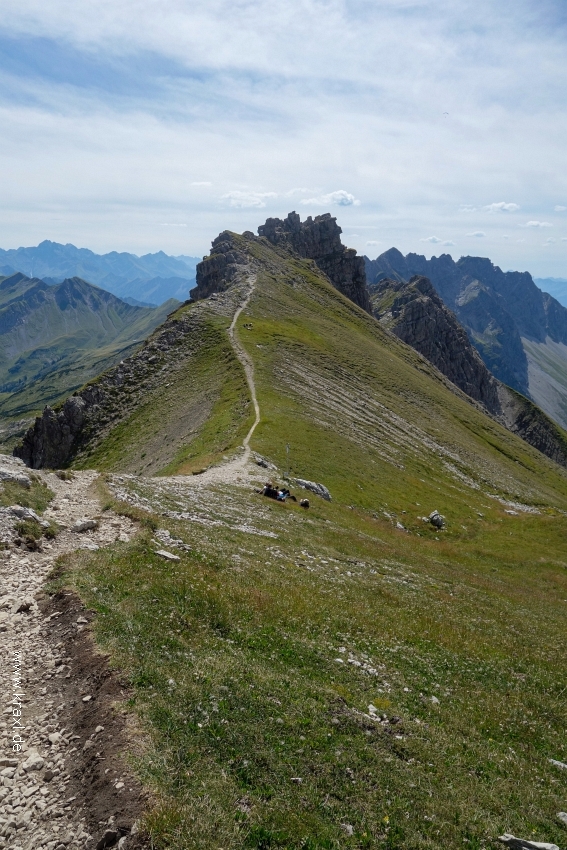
122,273
416,314
52,338
216,276
518,330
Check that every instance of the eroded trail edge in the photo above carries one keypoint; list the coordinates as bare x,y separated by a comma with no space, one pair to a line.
63,781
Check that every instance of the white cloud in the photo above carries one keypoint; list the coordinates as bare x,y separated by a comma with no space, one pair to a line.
245,200
340,198
550,241
559,208
373,242
501,206
448,243
564,238
111,111
433,239
478,234
536,224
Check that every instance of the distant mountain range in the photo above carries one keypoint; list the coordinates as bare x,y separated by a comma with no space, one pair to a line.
54,338
152,278
556,286
519,331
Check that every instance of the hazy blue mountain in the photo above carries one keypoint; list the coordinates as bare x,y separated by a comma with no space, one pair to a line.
153,278
556,286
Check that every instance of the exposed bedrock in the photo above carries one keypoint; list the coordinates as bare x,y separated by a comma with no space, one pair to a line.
319,239
415,313
49,443
217,271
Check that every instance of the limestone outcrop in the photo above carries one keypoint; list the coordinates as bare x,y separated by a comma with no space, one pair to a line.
415,313
319,239
418,316
49,443
217,271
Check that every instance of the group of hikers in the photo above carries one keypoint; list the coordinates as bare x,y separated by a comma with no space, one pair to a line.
280,494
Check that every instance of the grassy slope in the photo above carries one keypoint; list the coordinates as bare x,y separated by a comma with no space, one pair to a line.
53,351
548,376
199,411
232,651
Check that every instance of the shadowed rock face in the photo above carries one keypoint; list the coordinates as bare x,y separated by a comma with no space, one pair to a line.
416,314
501,311
217,271
319,239
49,442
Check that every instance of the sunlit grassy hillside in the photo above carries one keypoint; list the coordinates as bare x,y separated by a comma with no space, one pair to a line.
346,676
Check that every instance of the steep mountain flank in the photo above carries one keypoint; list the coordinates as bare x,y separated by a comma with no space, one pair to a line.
153,277
418,316
415,313
330,361
53,338
519,331
147,412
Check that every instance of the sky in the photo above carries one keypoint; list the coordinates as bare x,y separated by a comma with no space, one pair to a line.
146,125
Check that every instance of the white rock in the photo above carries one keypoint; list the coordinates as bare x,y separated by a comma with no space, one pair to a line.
33,762
84,525
525,844
169,556
24,513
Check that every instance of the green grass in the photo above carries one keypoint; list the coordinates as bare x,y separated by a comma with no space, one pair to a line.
37,496
232,651
197,413
258,698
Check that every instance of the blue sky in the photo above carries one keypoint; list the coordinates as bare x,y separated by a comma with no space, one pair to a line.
146,125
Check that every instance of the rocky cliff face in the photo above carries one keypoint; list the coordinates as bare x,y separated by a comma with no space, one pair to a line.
487,301
218,271
415,313
319,239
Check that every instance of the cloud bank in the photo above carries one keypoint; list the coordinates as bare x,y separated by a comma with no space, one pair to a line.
118,117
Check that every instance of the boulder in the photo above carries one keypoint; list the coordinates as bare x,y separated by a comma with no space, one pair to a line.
17,477
436,519
525,843
84,524
318,489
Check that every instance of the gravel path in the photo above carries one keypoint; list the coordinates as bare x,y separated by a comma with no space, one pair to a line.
36,808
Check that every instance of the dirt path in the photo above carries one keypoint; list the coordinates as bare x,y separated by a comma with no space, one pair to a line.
238,470
41,792
248,369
